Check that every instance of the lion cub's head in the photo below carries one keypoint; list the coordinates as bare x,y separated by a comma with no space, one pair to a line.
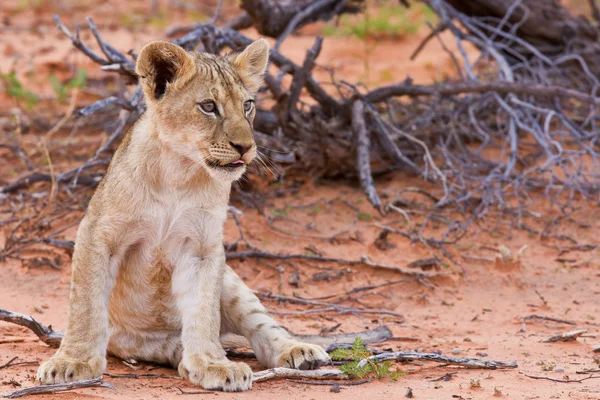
202,106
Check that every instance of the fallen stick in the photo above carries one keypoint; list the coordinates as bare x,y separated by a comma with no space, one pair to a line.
138,376
331,383
275,373
363,261
561,380
330,306
194,391
11,363
565,337
541,317
60,387
45,333
412,355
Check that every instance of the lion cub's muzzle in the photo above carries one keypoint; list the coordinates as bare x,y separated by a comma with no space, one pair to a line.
231,156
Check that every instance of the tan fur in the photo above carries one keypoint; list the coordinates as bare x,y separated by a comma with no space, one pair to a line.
149,277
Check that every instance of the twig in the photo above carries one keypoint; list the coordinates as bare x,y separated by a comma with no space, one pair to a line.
278,373
588,371
541,317
541,297
313,8
138,376
328,383
9,362
304,73
561,380
60,387
364,261
14,364
215,18
193,391
412,355
531,89
332,307
363,158
565,337
46,334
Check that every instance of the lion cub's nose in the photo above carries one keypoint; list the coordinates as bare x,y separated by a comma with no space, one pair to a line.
240,148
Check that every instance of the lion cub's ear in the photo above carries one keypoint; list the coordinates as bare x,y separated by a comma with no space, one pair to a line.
162,66
252,63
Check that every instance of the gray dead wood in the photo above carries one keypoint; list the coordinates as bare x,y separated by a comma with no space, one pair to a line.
542,318
565,337
274,373
363,156
60,387
46,334
466,362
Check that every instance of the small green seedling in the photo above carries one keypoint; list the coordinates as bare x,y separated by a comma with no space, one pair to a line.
373,367
15,89
62,90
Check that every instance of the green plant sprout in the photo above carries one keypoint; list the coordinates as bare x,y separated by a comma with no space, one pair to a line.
15,89
62,90
373,367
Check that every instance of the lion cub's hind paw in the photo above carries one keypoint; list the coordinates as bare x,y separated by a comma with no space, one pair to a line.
303,356
62,370
227,376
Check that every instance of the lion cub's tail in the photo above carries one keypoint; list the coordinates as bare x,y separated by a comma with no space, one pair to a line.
382,333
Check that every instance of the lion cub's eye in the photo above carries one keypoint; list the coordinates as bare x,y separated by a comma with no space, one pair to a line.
248,105
209,107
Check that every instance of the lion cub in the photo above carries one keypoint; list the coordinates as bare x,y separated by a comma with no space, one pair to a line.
149,276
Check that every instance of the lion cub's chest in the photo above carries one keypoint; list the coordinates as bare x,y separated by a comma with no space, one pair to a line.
142,298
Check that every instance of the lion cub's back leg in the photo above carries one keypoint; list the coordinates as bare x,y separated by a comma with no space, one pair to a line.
243,314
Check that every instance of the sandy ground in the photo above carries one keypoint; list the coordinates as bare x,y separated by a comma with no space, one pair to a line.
467,311
461,316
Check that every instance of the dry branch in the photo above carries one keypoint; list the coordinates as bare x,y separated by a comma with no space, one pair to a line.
278,18
457,88
363,157
535,317
466,362
46,334
60,387
565,337
328,306
363,261
561,380
279,373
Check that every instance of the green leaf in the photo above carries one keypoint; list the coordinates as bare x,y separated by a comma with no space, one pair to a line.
364,217
78,80
59,88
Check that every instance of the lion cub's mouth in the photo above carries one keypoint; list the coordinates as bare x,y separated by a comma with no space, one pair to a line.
232,165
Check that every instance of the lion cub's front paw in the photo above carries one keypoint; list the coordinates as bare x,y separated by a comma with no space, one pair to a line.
300,355
61,370
217,375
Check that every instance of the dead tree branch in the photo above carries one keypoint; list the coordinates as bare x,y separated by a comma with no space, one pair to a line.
466,362
282,373
60,387
45,333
